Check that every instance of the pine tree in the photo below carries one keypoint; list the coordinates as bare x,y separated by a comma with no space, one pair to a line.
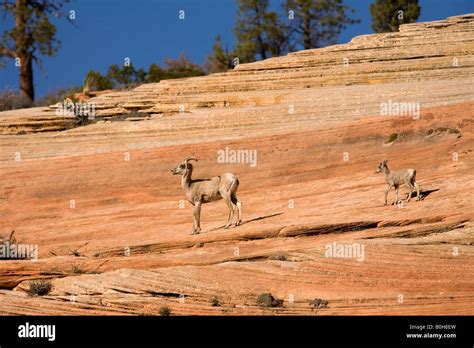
122,77
387,15
174,69
155,73
33,35
259,32
98,82
317,23
220,60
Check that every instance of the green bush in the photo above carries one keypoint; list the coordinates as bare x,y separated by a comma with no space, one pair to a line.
393,137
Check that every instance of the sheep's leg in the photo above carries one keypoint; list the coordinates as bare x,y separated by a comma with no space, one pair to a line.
386,193
396,194
239,213
231,211
197,218
238,203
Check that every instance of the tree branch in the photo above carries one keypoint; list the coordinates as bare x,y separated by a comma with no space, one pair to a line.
52,8
46,6
7,5
38,62
6,52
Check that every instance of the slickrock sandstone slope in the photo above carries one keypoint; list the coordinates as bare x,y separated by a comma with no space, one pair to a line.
315,123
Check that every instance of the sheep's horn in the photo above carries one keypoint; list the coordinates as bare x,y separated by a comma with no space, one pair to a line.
191,158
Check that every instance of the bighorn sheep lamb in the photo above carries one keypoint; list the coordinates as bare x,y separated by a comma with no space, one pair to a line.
396,179
10,239
199,191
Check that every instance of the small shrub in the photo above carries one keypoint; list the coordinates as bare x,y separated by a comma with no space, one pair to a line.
11,100
39,287
131,114
393,137
444,130
199,244
279,257
59,95
215,302
319,303
76,269
83,120
165,311
267,300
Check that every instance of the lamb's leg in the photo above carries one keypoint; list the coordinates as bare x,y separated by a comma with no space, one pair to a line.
396,194
386,193
410,187
197,218
231,211
417,191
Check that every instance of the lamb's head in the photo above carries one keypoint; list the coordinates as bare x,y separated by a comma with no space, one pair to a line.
10,239
184,166
381,167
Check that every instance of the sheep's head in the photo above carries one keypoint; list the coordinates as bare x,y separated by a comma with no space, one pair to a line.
183,167
381,166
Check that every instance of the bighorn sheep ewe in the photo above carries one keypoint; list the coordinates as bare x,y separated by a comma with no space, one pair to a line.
199,191
396,179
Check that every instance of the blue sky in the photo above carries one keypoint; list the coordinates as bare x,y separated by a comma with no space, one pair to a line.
148,31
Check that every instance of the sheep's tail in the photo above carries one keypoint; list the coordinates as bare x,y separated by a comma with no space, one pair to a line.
234,184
